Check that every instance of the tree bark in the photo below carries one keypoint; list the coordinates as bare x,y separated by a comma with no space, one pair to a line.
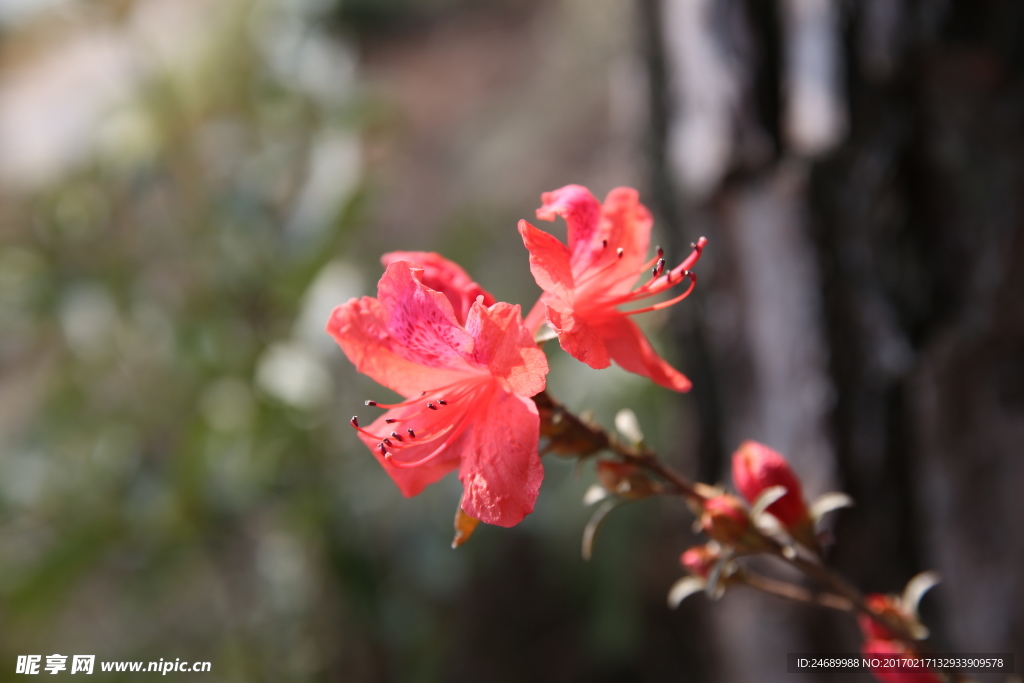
863,310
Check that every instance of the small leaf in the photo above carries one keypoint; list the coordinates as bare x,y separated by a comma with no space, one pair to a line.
684,588
766,498
769,525
827,502
721,570
706,490
915,590
464,527
594,524
595,494
629,426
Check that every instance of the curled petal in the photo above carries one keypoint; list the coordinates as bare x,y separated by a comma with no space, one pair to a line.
549,262
506,347
422,321
628,347
626,225
582,214
501,470
580,339
444,276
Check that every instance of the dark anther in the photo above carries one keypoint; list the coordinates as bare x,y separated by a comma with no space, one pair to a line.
604,244
397,436
620,252
661,252
380,447
390,420
411,433
387,442
371,403
355,420
432,406
442,401
658,268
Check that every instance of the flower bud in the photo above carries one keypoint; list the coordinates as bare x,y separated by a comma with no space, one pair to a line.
699,559
756,467
725,519
887,606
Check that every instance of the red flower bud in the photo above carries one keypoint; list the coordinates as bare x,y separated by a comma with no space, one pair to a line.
755,467
889,649
887,606
699,559
725,519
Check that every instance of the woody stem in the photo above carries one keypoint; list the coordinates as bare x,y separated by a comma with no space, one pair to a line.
793,592
585,438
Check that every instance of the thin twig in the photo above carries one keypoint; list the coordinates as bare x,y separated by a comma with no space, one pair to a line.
790,591
559,424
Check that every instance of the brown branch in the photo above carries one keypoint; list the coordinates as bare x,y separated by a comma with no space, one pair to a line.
571,435
790,591
568,434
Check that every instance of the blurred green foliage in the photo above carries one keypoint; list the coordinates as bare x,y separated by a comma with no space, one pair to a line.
177,476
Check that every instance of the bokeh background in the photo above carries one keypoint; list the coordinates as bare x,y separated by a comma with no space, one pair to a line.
187,187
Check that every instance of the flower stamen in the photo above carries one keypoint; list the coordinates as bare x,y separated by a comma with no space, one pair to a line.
673,301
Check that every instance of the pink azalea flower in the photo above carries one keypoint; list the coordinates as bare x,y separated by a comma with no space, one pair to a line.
467,369
585,283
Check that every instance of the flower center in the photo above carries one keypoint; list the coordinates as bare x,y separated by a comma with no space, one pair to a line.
440,414
659,281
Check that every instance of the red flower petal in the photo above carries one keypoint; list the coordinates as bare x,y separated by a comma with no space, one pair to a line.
422,321
549,262
358,327
578,338
626,225
444,276
506,347
582,214
628,347
501,471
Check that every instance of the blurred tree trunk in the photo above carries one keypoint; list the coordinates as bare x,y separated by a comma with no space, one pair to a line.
857,167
